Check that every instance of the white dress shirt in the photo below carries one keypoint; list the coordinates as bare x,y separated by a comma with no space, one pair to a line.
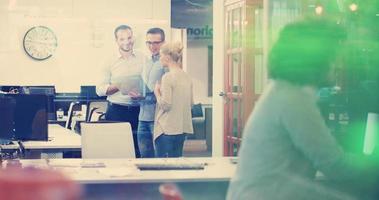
117,70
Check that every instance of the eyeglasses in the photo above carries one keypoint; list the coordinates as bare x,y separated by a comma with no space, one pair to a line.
153,43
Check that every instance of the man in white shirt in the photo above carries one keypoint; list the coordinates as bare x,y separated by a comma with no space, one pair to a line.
129,64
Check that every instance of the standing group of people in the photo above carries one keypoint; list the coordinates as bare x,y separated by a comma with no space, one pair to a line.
160,120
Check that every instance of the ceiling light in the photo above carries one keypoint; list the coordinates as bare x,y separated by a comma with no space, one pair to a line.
319,10
353,7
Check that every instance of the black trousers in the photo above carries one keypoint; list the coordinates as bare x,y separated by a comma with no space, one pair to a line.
120,113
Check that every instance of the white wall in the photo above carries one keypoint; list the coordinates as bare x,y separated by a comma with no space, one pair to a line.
197,68
84,29
218,78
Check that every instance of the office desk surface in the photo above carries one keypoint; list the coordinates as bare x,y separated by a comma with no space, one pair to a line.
100,171
59,138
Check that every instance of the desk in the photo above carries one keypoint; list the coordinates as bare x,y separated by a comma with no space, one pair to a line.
216,169
120,179
62,121
60,139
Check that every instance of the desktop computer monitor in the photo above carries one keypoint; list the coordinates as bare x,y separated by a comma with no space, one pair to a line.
11,88
49,91
40,89
88,91
28,116
7,106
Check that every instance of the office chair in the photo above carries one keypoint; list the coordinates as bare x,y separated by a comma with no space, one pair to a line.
197,110
198,122
95,110
107,140
74,106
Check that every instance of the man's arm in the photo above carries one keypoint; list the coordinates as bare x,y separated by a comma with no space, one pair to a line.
111,89
105,88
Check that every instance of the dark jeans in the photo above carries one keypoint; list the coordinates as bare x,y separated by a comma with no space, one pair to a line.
129,114
121,113
169,145
145,139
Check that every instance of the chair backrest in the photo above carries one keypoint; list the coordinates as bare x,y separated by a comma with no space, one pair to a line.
74,106
95,110
107,140
197,110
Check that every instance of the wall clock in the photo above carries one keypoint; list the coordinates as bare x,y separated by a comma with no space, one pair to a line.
40,42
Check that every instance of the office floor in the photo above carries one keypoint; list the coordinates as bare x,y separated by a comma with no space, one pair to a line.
196,148
197,153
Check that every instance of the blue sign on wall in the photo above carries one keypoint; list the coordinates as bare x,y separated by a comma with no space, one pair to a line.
191,13
205,32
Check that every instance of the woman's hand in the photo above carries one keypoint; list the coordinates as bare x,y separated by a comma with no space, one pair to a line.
157,89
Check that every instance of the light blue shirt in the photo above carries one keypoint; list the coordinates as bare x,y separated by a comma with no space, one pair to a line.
284,142
152,73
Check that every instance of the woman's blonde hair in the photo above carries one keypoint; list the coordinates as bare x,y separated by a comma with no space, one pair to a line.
174,50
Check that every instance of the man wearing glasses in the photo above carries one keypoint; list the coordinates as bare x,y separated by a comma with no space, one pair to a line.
152,74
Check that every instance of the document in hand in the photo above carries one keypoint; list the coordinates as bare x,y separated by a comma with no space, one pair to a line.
132,84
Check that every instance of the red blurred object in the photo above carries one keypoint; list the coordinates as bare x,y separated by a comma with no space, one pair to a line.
17,183
169,191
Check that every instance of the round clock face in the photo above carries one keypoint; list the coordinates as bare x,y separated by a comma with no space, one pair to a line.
40,42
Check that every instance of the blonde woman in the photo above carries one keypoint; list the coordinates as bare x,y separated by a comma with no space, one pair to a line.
173,118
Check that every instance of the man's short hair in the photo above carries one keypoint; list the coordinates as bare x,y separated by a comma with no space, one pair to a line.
121,27
157,30
304,51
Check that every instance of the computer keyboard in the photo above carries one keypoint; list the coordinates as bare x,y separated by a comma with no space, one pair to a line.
171,166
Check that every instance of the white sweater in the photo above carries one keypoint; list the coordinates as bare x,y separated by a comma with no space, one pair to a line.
173,112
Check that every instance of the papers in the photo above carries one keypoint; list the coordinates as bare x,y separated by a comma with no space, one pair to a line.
132,84
117,172
92,164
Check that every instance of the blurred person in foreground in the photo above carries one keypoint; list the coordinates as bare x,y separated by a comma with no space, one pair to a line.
286,140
